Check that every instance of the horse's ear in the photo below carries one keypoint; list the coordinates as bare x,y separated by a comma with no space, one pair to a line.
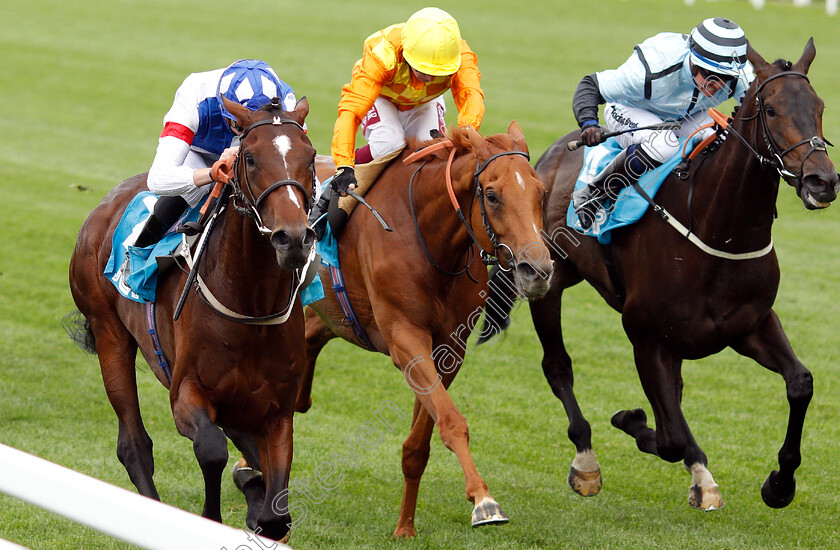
518,137
243,114
804,62
300,111
761,67
480,146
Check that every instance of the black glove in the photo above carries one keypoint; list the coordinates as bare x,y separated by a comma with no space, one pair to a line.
592,134
343,179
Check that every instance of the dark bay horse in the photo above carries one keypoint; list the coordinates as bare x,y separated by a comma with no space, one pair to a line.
241,377
418,293
681,302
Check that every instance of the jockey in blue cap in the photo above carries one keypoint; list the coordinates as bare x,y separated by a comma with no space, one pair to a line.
669,77
198,130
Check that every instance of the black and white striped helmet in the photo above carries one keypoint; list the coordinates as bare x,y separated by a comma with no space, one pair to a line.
719,45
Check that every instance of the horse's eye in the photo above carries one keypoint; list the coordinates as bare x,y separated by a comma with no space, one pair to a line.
249,160
769,110
491,197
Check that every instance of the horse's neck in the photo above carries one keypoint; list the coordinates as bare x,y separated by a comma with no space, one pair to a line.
734,192
445,235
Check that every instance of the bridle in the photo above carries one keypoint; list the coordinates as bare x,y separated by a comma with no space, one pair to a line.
777,154
250,208
249,203
486,258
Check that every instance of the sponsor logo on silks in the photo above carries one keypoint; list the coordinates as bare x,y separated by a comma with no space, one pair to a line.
371,118
622,120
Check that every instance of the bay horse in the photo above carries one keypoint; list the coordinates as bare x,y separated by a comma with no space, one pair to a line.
418,294
240,376
678,301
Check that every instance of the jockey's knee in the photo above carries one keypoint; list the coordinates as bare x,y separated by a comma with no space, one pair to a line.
386,141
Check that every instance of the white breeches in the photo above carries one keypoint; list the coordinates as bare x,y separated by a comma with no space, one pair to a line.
385,127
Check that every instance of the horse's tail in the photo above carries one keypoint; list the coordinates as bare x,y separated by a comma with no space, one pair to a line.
77,328
502,295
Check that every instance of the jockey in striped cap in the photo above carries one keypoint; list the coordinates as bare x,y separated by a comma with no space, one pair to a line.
669,77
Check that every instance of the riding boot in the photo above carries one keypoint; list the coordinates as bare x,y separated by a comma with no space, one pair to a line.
336,217
317,218
167,211
621,172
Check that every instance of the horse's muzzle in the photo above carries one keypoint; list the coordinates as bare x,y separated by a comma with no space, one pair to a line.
819,189
532,278
293,246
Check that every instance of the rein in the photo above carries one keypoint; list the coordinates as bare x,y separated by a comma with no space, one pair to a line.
250,210
486,258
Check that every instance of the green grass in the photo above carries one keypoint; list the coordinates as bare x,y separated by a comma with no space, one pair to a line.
84,88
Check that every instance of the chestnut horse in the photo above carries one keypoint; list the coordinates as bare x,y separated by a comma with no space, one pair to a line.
237,376
679,301
417,291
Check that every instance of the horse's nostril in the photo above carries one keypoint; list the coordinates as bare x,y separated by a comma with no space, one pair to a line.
308,237
280,239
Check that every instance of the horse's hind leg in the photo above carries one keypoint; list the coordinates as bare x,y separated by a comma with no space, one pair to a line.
317,336
117,352
770,347
585,474
192,418
415,457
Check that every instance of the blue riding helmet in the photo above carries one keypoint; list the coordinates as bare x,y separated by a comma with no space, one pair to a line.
719,45
249,82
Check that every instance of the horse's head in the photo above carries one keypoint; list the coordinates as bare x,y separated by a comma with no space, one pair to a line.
789,114
274,177
510,200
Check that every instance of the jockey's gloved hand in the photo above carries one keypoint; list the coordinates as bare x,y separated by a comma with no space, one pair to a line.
591,134
344,177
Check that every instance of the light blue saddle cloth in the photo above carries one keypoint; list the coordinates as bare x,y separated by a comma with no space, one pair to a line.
134,271
628,207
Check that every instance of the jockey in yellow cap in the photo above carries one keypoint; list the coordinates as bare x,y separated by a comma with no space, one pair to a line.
396,88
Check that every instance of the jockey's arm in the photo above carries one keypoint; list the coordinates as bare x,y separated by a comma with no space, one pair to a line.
586,100
168,175
466,90
357,97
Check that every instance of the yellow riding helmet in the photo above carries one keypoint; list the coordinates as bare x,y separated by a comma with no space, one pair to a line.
432,42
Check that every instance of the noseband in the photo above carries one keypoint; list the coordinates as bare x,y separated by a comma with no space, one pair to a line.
776,160
251,205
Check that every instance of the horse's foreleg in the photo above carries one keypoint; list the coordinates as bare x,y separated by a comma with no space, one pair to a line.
415,457
275,521
117,352
770,347
412,353
660,374
585,473
191,411
247,475
317,336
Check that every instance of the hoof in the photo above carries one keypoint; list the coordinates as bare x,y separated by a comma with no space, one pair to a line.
488,512
707,499
242,474
405,533
587,484
774,491
285,539
624,419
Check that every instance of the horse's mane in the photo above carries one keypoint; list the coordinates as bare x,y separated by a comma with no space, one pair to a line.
459,137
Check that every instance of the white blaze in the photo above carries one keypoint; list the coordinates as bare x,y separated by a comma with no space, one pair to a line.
283,145
520,180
